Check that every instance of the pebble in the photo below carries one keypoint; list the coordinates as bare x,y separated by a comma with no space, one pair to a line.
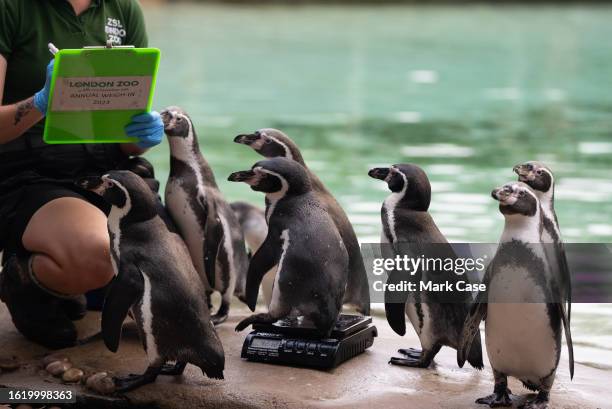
9,364
57,368
72,375
102,383
52,358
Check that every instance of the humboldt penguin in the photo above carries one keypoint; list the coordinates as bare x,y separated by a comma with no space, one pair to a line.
522,310
302,241
272,143
437,319
204,219
541,179
153,270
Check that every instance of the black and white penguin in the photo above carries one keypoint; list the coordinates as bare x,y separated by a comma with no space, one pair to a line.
252,219
302,241
523,312
541,179
204,219
406,220
153,270
272,143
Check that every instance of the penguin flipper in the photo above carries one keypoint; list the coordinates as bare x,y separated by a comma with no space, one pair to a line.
395,304
568,337
266,257
471,327
213,238
125,290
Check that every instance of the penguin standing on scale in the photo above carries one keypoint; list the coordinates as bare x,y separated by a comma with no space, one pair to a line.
302,241
204,219
541,179
272,143
437,320
152,271
523,306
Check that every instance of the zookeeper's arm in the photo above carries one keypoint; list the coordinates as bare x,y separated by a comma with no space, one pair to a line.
17,118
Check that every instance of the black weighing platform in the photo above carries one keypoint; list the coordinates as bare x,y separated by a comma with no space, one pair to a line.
289,343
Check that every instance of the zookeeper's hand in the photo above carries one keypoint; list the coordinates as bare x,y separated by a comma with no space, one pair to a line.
147,127
41,98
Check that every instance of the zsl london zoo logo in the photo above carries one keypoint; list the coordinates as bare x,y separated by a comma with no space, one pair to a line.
114,31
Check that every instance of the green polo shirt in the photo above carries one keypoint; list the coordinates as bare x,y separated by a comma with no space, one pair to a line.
27,26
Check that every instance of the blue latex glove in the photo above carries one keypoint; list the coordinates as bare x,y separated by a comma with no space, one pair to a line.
147,127
41,98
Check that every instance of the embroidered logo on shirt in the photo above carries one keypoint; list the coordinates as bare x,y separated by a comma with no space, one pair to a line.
115,33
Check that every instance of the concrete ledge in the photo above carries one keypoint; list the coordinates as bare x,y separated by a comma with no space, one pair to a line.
364,382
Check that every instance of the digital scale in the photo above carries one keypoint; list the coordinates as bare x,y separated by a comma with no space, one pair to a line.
289,342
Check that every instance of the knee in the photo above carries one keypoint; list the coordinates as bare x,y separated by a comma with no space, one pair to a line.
90,264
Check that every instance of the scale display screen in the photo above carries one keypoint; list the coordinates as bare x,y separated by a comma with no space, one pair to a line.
265,343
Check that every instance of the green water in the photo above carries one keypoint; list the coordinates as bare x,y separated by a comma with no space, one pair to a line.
465,92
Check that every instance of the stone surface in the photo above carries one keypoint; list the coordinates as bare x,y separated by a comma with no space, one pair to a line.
365,382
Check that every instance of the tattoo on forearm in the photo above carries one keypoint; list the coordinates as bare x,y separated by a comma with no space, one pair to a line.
23,108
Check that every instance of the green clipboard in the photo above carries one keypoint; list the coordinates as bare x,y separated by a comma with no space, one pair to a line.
95,91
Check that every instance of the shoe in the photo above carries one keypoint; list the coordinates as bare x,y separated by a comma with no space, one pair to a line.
37,315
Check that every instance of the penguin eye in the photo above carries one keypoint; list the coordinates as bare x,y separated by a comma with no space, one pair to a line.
508,189
111,183
530,166
539,172
267,140
179,119
521,193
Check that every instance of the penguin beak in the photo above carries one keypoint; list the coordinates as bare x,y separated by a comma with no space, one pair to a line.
379,173
501,194
247,139
241,176
521,172
166,117
89,182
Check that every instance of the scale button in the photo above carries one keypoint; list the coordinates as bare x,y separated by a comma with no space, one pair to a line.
300,346
289,344
312,348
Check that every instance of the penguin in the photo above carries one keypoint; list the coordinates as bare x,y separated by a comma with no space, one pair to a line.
272,143
522,313
302,241
153,270
541,179
438,321
203,217
252,219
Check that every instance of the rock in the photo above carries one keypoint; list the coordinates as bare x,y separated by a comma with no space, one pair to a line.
9,364
57,368
72,375
101,383
52,358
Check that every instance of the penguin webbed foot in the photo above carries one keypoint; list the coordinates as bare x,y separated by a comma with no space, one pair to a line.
540,402
134,381
415,358
410,352
497,399
263,318
173,370
220,316
409,361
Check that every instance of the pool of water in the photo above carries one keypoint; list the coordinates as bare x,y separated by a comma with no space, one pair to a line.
465,92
